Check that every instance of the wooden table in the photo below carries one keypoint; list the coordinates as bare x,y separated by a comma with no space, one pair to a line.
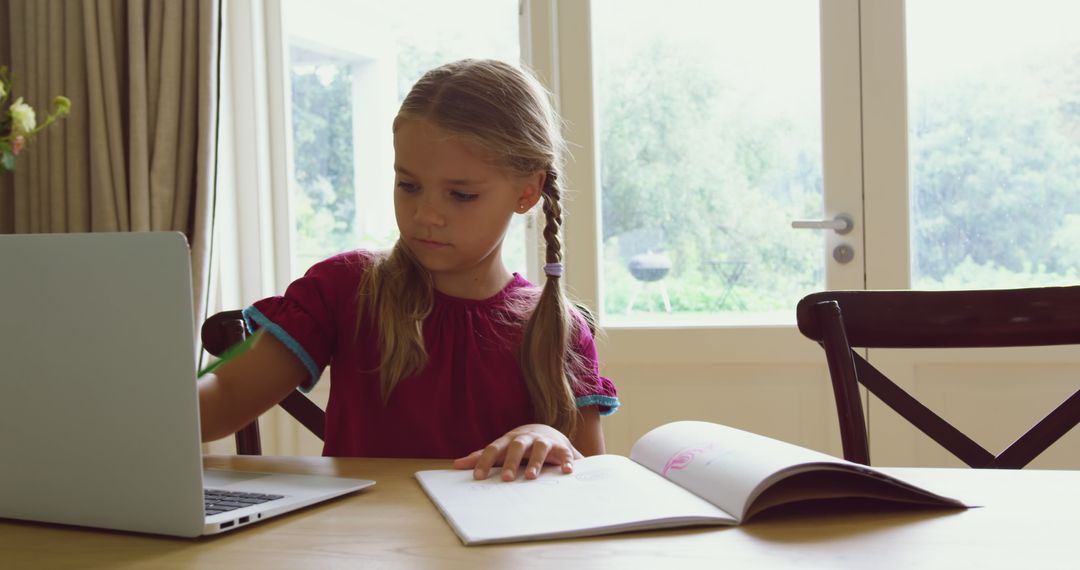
1030,519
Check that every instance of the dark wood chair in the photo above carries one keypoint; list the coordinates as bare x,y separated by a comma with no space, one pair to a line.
840,320
226,329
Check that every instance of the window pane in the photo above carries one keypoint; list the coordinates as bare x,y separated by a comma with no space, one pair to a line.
709,116
349,64
994,137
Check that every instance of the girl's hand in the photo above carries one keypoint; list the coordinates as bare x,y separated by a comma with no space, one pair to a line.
538,442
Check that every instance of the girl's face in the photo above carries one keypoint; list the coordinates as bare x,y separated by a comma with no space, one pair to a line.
453,208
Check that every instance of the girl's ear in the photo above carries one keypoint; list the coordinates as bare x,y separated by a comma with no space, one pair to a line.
531,190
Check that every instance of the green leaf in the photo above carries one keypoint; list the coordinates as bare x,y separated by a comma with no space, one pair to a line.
8,162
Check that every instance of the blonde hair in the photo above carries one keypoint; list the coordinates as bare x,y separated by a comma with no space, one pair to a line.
507,112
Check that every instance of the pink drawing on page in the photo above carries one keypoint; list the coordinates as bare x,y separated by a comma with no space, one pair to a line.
684,457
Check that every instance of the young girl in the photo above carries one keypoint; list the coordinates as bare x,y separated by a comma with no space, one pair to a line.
435,348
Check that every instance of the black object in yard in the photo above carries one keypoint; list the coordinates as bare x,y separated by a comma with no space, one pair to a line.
649,267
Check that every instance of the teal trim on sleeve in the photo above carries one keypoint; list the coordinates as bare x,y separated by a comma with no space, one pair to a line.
247,319
610,402
252,314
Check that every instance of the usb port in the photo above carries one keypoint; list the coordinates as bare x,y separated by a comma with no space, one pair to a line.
226,524
244,520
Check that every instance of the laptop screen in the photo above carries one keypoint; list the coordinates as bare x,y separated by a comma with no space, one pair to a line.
99,417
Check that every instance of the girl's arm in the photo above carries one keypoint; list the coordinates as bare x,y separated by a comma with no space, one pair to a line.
589,437
539,444
243,388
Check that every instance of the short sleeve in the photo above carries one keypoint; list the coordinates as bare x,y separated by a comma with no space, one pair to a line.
591,388
303,319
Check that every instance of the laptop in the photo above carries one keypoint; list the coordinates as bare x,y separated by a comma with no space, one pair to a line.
99,418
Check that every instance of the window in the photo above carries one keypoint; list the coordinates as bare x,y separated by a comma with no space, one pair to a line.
710,145
349,64
994,143
709,129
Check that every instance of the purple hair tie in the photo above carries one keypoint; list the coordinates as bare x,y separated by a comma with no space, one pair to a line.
553,269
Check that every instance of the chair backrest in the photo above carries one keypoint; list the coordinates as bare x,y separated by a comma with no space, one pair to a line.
840,320
226,329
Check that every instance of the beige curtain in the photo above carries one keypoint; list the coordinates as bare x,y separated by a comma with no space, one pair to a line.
137,152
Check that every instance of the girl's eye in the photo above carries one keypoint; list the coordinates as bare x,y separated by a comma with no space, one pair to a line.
462,196
407,187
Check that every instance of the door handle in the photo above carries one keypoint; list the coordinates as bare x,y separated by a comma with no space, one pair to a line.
841,224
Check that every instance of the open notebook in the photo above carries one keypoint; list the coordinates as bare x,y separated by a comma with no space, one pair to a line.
99,420
679,474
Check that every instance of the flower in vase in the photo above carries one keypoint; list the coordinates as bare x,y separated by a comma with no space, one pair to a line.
23,118
18,123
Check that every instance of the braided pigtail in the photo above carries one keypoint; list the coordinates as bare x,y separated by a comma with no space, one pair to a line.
547,332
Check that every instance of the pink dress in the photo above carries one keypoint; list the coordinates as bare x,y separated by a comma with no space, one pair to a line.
470,393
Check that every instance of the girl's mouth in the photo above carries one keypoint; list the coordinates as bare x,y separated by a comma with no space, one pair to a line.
431,244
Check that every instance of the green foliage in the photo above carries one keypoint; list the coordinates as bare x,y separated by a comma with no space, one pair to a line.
993,172
324,201
689,160
696,165
7,158
996,169
989,275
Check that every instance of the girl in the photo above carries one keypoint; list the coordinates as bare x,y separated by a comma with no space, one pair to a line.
435,348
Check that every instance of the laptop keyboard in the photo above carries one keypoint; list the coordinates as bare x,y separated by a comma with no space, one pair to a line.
218,501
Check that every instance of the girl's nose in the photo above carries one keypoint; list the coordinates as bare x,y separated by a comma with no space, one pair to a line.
428,214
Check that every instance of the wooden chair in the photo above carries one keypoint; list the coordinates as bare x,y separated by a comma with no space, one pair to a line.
840,320
227,328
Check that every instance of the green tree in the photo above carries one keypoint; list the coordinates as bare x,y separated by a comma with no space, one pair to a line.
323,160
685,161
993,173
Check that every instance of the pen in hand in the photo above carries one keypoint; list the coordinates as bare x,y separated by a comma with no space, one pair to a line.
229,354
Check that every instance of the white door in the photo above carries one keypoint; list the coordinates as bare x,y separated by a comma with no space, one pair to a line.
693,150
699,130
972,163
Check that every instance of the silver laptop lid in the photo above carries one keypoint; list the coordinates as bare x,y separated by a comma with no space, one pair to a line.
98,407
